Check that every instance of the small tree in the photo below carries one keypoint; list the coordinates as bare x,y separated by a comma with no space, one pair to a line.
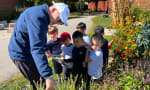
121,9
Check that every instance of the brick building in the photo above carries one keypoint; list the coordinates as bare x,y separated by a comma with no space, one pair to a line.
103,5
8,5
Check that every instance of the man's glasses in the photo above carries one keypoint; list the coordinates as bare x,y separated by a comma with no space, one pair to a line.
60,22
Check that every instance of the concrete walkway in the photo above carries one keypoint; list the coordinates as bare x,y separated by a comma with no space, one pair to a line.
7,68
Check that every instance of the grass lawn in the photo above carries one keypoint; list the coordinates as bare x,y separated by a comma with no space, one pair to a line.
100,20
19,82
85,13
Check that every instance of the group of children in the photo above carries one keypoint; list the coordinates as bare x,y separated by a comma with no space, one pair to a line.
84,59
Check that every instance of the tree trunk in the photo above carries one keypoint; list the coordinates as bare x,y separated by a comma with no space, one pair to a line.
96,5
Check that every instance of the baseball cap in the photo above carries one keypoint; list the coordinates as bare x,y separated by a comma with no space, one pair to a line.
63,10
64,36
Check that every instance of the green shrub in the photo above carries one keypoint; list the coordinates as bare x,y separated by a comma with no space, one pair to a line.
140,13
142,40
137,12
99,20
9,15
129,81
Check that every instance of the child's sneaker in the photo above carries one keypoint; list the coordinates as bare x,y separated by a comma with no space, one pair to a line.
59,82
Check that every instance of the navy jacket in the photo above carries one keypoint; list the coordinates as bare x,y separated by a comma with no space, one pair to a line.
29,38
105,52
55,47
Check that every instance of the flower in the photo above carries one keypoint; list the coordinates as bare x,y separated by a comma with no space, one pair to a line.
133,16
126,47
122,39
143,21
129,52
122,54
134,50
149,52
125,59
113,26
135,60
141,26
137,22
130,30
135,64
144,54
132,35
136,28
121,43
134,45
117,49
129,41
124,28
116,41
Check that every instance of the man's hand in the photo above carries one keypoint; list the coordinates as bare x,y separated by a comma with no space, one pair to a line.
50,84
48,53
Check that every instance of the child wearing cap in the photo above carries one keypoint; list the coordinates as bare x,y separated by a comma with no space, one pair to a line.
67,54
54,50
100,31
81,27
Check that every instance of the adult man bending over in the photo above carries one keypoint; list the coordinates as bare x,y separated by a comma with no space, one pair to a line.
26,47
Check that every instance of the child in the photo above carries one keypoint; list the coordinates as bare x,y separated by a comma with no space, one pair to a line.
100,30
67,54
79,69
95,59
54,50
81,27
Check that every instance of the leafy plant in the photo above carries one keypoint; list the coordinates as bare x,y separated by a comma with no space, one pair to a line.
124,47
129,81
142,40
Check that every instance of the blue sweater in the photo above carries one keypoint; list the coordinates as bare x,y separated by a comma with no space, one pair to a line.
55,47
29,38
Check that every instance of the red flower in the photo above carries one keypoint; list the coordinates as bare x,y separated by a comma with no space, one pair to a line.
134,50
117,49
122,54
149,52
135,60
116,41
110,45
129,52
135,64
121,43
144,54
116,56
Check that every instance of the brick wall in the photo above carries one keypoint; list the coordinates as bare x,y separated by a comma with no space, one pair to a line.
7,5
102,6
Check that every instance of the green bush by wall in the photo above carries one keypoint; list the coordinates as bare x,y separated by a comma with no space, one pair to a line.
9,15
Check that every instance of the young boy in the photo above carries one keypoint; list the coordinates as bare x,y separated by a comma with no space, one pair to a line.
100,31
67,54
54,50
95,59
81,27
79,69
